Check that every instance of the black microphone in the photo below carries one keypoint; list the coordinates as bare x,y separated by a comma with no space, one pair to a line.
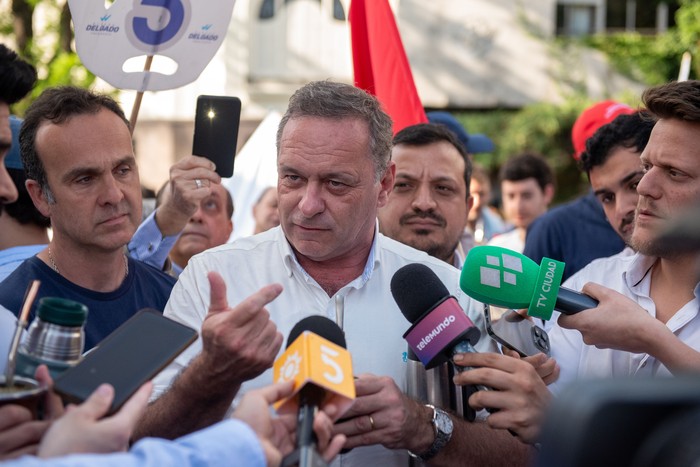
311,396
440,328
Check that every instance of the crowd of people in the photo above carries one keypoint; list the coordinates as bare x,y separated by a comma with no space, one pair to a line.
353,204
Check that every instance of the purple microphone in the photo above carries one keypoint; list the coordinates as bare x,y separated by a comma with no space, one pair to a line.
440,328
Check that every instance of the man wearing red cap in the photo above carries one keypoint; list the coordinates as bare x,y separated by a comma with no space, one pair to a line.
578,232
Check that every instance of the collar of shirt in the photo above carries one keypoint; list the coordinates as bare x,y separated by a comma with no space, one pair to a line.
638,279
458,260
291,263
640,266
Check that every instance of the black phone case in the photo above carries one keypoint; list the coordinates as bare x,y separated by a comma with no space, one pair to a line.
216,131
133,354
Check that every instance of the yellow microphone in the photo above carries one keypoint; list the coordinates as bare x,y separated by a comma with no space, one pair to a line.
321,367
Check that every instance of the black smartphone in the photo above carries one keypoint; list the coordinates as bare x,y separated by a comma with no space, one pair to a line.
517,333
133,354
216,125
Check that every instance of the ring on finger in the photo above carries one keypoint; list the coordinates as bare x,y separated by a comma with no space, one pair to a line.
198,183
371,423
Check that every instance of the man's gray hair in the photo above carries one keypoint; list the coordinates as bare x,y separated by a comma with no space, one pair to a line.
327,99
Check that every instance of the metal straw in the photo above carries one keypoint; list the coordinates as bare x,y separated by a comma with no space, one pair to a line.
21,324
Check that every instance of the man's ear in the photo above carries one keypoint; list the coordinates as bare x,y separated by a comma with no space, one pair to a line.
387,184
548,193
470,203
38,197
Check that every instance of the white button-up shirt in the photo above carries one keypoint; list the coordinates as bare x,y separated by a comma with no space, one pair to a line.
631,276
373,323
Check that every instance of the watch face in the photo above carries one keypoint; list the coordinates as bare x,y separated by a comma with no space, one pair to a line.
443,432
443,422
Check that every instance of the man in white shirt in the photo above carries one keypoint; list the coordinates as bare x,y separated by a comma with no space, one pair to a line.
648,323
334,173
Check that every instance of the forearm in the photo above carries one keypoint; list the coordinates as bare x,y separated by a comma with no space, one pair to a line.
199,397
476,444
170,220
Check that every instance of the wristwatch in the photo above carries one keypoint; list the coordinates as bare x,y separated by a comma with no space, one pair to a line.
442,424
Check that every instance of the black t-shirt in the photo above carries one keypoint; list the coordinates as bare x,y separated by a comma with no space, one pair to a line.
144,287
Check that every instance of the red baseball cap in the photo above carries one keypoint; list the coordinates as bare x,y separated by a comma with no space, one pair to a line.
593,118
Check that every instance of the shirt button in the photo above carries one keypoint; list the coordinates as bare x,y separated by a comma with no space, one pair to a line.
150,247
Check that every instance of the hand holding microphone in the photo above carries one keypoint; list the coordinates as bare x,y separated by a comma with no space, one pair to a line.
276,434
321,368
503,277
440,328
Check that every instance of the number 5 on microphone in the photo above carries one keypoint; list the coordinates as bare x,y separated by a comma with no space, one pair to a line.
311,359
327,356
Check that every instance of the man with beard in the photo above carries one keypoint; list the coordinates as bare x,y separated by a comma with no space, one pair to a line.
648,324
430,200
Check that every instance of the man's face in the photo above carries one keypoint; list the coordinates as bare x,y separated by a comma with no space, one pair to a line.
671,181
265,212
480,193
524,201
91,170
210,226
328,196
8,191
615,185
428,206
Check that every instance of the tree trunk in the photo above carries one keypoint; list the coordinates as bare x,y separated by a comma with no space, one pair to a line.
22,13
65,32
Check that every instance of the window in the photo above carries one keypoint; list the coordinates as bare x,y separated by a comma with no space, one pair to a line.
575,20
296,41
268,9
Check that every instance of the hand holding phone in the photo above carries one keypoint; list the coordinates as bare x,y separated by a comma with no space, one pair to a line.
517,333
133,354
216,131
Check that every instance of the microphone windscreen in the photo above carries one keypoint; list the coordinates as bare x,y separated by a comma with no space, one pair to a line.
321,326
416,289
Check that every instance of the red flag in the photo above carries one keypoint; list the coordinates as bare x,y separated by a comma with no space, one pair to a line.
380,63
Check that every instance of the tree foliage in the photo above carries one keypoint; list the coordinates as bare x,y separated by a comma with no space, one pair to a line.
546,128
541,128
655,59
50,49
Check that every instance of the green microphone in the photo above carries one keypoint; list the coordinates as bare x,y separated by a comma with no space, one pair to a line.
506,278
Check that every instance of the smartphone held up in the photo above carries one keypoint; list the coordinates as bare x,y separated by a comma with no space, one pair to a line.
216,124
